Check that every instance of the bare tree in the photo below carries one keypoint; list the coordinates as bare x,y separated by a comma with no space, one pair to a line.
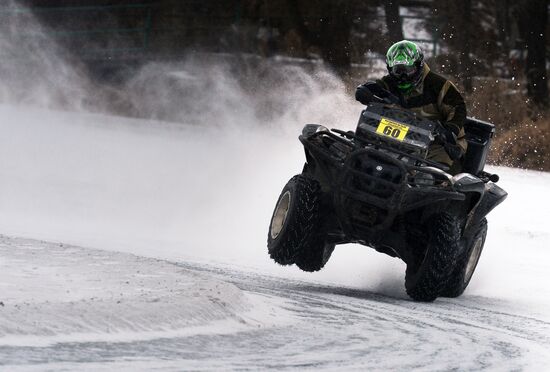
532,18
466,35
329,31
393,21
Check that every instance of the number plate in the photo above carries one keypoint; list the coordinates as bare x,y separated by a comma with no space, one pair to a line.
392,129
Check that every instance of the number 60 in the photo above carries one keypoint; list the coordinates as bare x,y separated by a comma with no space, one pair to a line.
389,131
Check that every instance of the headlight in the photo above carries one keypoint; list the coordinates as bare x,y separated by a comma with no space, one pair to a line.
429,176
311,129
422,179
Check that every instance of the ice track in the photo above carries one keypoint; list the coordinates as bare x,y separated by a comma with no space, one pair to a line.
180,278
69,308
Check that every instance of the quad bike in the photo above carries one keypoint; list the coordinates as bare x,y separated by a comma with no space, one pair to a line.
376,187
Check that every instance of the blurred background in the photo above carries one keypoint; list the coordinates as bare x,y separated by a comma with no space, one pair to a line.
126,56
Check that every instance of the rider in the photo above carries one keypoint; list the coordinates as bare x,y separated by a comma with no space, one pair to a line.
428,94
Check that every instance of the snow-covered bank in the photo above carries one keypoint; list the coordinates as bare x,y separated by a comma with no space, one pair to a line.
53,293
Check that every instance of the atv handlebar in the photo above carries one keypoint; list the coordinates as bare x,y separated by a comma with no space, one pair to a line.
372,92
391,99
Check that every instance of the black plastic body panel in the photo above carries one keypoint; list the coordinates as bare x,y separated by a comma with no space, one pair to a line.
420,130
367,192
478,134
493,196
374,188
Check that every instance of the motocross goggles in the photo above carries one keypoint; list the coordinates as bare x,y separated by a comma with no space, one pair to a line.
405,73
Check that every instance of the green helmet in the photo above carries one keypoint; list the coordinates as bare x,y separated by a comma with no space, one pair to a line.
405,62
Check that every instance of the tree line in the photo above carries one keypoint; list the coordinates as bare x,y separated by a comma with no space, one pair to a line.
474,38
498,38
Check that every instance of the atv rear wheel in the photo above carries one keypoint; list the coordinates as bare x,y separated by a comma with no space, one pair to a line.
467,262
426,278
295,232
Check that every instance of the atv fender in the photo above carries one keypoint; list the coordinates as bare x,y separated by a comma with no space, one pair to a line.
493,196
467,184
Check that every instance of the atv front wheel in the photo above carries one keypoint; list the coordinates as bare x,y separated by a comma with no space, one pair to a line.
426,277
314,257
295,232
467,262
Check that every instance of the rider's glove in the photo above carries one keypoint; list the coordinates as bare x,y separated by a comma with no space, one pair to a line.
373,92
455,152
447,139
363,94
444,135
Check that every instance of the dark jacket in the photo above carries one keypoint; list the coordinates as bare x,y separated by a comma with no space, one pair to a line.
435,98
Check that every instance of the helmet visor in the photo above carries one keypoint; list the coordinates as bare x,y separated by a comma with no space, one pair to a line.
404,73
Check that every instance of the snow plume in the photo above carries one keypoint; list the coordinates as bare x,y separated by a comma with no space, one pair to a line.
228,92
201,89
203,186
34,69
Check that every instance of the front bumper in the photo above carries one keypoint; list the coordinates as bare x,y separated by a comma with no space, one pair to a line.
370,187
375,187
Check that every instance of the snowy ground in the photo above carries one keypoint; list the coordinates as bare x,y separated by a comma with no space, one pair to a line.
161,261
76,308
